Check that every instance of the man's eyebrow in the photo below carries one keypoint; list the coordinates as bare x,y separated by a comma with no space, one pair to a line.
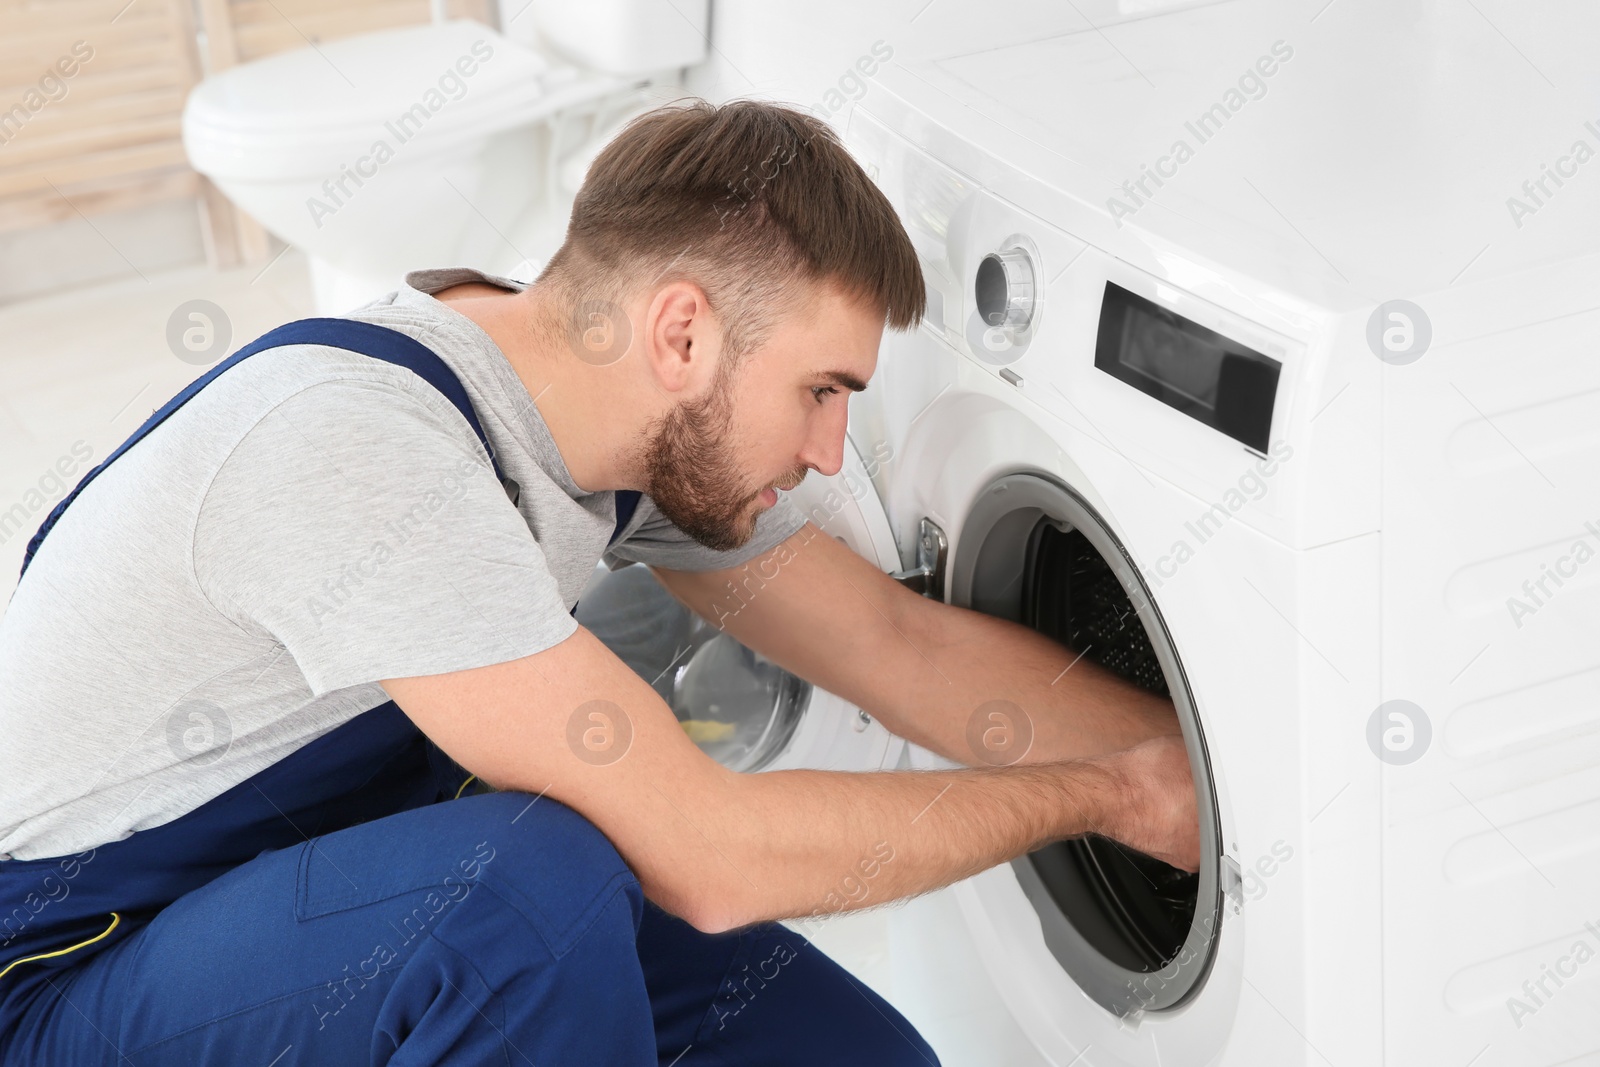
846,379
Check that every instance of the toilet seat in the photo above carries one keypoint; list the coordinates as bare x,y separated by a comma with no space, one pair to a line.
310,111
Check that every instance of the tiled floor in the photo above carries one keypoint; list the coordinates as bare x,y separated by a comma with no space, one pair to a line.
90,365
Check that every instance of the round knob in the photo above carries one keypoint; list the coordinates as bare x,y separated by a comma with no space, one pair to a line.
1005,288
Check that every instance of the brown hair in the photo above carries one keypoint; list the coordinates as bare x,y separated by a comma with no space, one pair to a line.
747,200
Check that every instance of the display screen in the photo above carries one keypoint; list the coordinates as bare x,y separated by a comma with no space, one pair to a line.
1211,378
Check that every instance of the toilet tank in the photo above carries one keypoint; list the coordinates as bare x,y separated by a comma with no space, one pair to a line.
622,37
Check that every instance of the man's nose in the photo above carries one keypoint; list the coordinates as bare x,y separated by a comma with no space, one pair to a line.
824,452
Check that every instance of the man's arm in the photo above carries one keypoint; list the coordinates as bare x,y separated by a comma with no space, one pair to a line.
921,667
722,849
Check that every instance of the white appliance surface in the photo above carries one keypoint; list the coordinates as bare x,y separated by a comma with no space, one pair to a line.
1424,534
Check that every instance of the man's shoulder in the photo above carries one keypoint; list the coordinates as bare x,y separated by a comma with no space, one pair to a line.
320,382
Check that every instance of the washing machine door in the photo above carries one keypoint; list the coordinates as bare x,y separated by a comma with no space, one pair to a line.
741,708
1092,945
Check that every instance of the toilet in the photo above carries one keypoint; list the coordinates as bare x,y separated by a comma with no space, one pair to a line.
437,145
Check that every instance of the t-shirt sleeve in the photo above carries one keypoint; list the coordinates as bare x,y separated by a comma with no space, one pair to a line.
656,541
364,528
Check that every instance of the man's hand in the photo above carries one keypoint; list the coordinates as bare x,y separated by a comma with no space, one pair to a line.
1156,814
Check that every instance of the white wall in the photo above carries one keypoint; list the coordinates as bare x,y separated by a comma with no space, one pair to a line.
798,50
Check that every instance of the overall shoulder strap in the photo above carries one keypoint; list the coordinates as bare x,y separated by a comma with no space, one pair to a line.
368,339
627,502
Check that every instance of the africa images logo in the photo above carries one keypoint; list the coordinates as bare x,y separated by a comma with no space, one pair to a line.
452,85
1252,85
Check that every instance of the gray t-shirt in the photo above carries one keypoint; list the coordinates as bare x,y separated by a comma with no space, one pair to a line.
311,522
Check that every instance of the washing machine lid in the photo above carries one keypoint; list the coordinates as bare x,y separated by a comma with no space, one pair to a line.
1372,152
311,109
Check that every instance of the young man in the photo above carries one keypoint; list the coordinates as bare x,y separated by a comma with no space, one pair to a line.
245,679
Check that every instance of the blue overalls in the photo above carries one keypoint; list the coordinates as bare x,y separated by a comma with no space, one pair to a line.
354,903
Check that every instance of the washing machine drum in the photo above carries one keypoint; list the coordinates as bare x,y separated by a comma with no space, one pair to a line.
1134,909
738,706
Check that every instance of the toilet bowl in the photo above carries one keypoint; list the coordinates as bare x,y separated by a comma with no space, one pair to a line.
435,145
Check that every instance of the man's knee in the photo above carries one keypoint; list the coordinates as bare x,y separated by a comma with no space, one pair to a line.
549,862
534,829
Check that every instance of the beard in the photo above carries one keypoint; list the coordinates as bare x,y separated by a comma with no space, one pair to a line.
695,479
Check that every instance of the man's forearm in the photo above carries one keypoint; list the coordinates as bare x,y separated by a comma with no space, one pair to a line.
1070,706
810,843
923,668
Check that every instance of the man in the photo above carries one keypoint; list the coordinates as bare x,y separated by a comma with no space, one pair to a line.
246,677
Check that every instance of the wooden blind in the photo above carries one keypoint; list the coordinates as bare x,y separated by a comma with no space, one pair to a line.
263,27
109,136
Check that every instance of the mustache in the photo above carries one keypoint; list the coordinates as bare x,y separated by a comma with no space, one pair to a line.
792,483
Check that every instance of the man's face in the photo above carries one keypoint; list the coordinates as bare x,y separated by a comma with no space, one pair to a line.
714,459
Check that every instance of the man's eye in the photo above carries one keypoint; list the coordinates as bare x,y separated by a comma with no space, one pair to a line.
818,390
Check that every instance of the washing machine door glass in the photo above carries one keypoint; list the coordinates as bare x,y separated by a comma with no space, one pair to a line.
738,706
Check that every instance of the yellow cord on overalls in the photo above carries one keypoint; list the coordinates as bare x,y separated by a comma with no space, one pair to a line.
115,919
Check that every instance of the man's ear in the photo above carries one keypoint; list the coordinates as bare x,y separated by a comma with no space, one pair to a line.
682,339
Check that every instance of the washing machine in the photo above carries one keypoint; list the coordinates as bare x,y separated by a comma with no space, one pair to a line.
1297,427
1241,375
